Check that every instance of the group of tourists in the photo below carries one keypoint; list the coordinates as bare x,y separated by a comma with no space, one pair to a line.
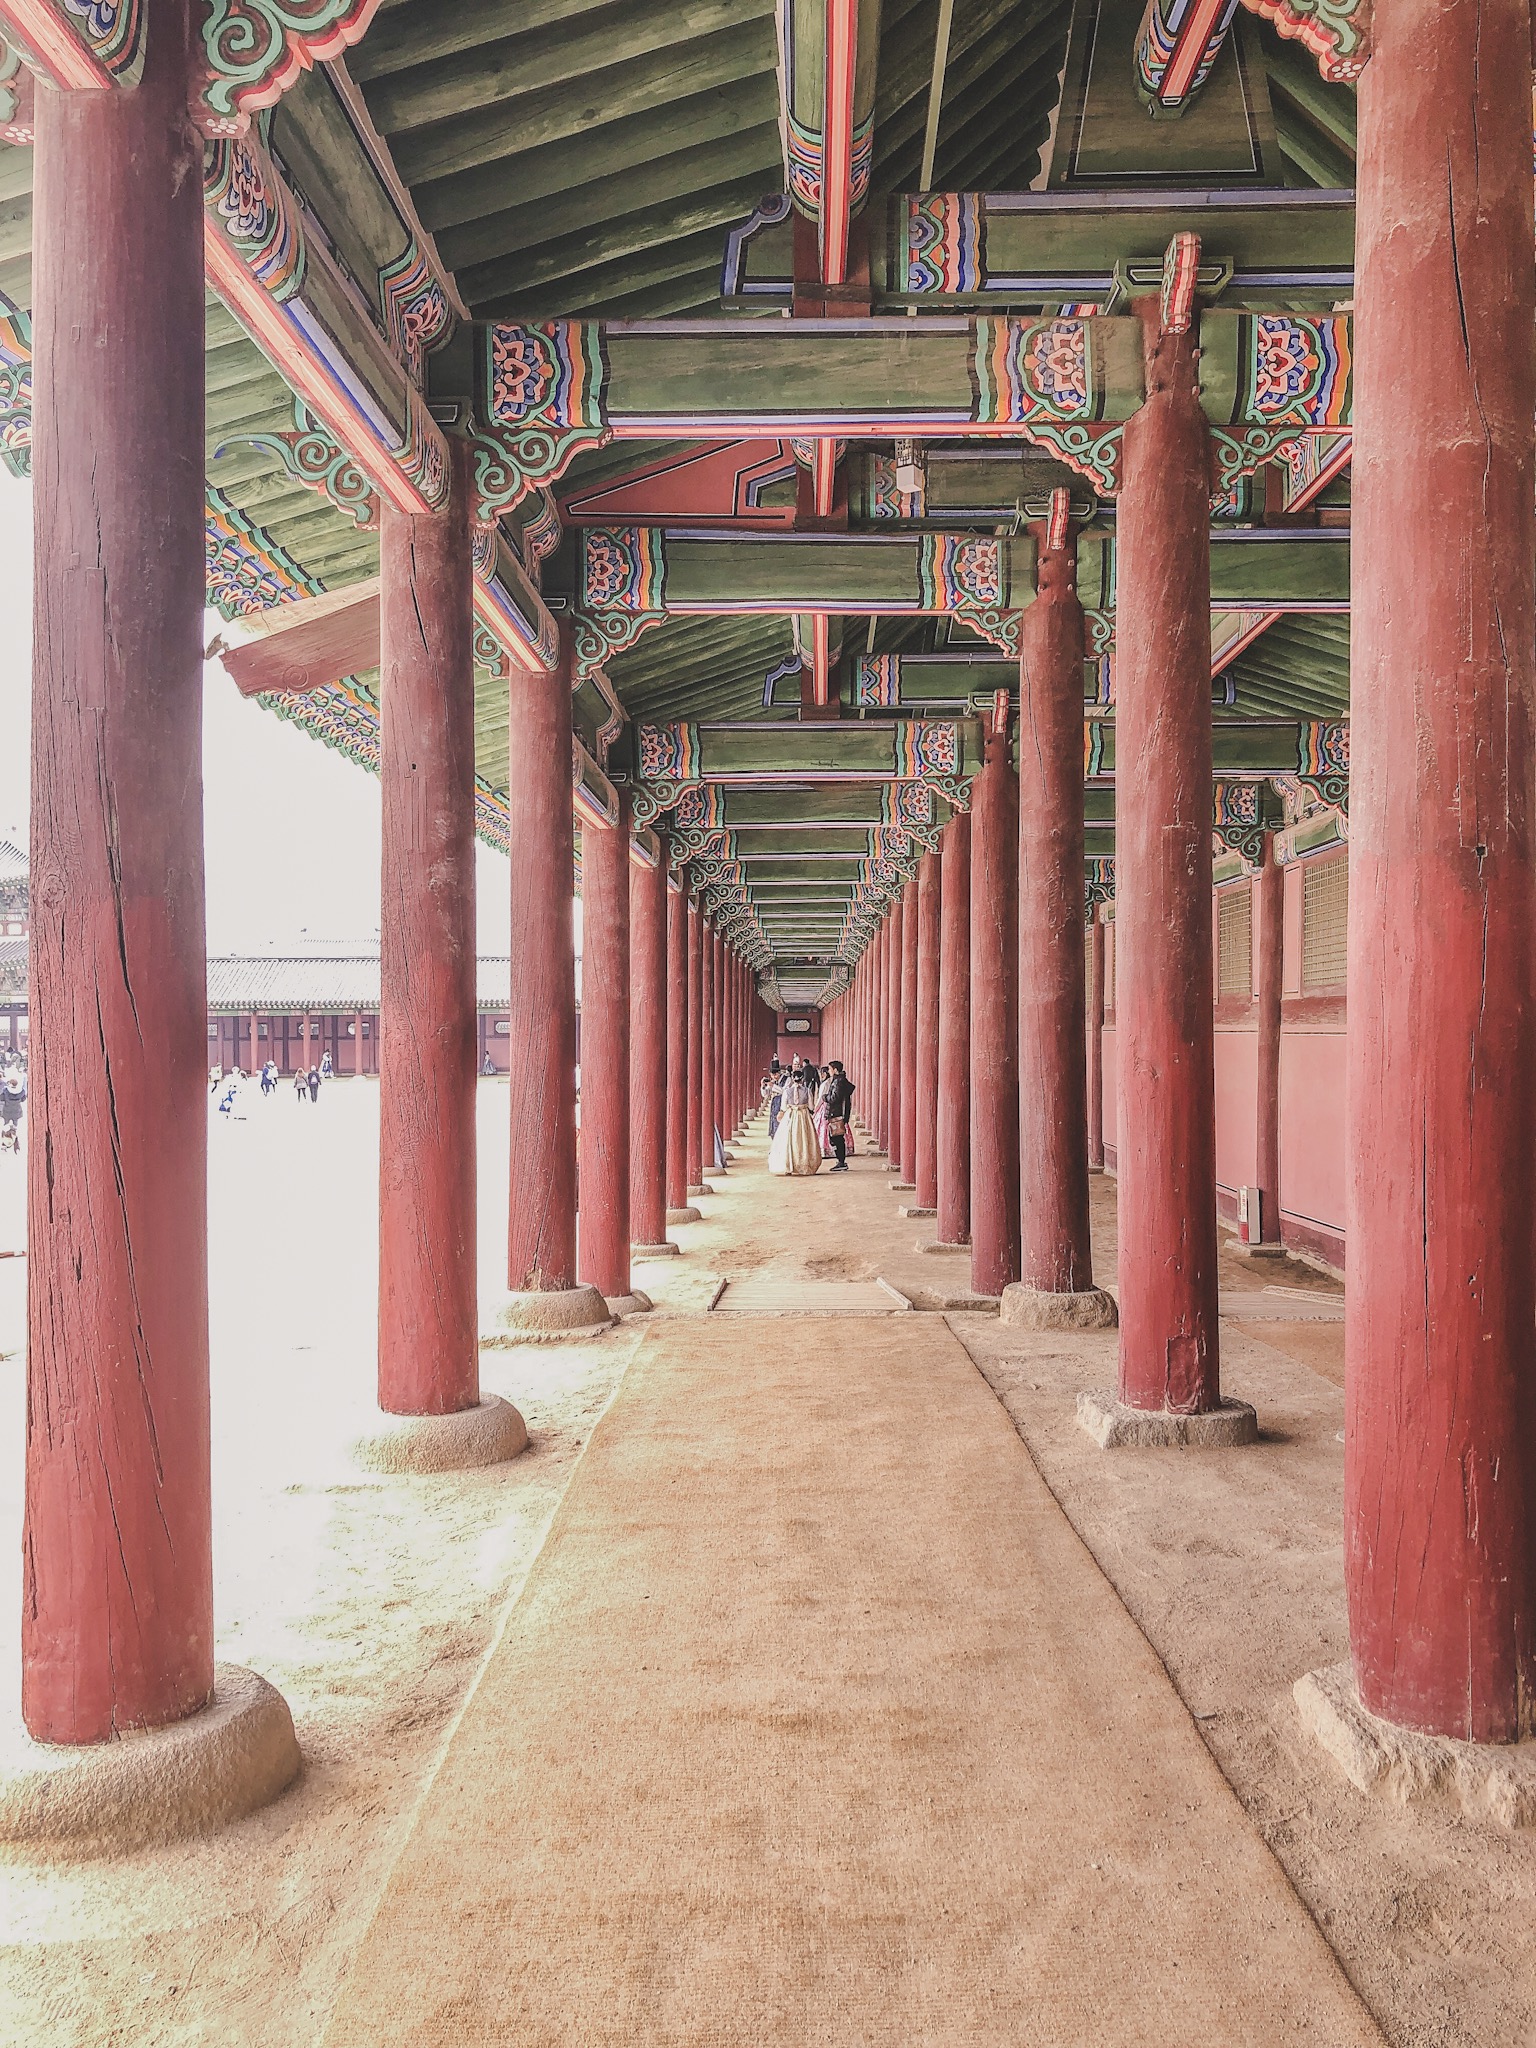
810,1116
227,1084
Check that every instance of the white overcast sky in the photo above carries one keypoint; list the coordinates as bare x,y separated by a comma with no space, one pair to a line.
292,828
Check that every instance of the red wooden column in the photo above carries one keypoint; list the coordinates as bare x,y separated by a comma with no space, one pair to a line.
117,1616
429,1323
874,1080
925,1158
1166,1125
908,1090
648,1061
720,1036
995,1017
707,1037
677,1048
695,1073
1269,945
1095,971
1440,1431
894,935
602,1242
541,1046
954,1084
1055,1255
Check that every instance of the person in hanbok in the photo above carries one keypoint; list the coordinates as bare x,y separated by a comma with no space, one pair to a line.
796,1148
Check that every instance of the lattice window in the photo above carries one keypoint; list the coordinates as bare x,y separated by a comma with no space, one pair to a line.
1234,941
1324,922
1088,961
1109,966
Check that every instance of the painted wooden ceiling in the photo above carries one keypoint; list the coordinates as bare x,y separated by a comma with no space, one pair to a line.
589,157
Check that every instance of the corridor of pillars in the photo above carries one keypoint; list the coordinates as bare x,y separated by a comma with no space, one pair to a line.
969,1025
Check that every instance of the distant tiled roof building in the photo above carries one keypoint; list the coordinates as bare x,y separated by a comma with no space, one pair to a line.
324,981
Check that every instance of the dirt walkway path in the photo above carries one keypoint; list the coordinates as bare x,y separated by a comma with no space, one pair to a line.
816,1723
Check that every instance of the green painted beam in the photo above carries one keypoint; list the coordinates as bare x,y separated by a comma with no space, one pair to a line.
1033,248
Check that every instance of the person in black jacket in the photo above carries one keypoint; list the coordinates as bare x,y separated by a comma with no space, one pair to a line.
835,1098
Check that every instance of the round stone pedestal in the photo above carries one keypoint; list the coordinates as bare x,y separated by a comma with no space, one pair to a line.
551,1316
155,1786
688,1215
635,1304
1028,1308
655,1251
485,1435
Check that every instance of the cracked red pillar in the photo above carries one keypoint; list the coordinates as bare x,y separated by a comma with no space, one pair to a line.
1094,966
925,1156
954,1084
908,1093
1165,1130
1054,1252
602,1236
117,1617
429,1323
694,1075
541,1049
1440,1428
648,975
995,1018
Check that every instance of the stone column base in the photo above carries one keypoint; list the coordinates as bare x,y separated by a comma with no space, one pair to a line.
902,1187
914,1209
1032,1308
688,1215
1492,1780
667,1250
939,1245
489,1434
1113,1425
159,1785
635,1304
548,1316
699,1188
1239,1250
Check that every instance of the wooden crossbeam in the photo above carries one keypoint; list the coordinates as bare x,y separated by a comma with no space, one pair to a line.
974,251
629,578
542,394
